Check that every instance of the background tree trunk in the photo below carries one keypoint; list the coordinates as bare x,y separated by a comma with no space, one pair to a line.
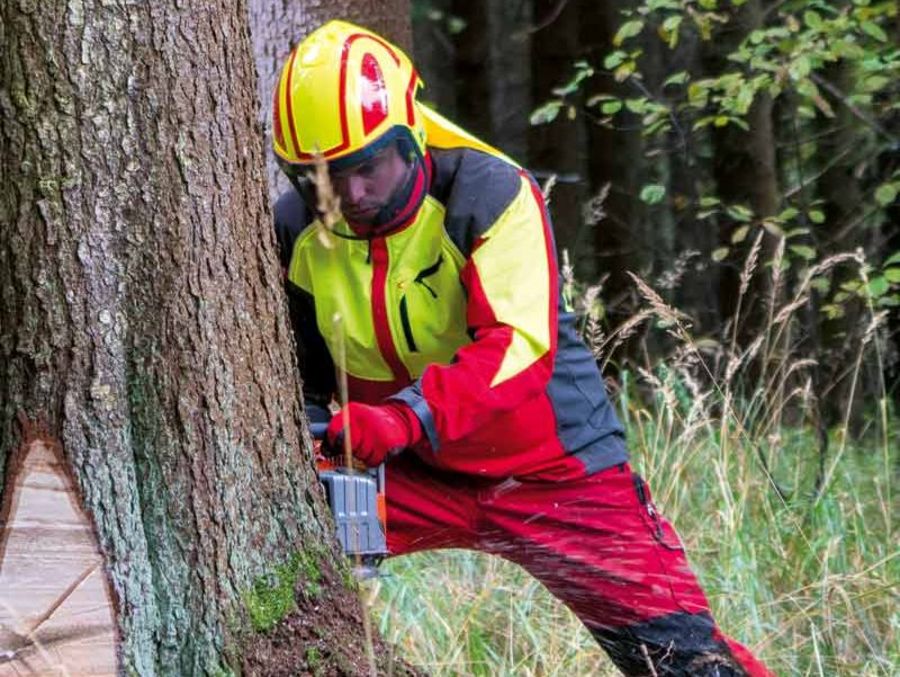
745,173
556,149
143,319
278,25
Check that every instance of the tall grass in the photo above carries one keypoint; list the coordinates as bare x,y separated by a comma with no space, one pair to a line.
793,539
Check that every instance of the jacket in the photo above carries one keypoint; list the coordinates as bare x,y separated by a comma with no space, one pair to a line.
459,315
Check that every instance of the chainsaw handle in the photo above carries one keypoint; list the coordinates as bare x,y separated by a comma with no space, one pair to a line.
317,430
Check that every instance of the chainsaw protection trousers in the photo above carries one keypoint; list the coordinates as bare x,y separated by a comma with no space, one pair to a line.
597,543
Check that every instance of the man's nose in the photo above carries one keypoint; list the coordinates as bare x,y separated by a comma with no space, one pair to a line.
355,188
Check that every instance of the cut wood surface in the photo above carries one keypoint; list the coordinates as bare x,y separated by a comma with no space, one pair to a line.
56,612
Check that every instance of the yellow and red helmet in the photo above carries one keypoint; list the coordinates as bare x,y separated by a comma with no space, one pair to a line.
342,89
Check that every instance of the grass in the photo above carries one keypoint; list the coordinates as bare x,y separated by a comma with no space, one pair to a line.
797,550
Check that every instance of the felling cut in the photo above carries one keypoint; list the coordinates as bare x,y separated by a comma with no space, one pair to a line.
56,610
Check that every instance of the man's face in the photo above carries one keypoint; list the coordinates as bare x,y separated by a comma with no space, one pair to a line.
367,187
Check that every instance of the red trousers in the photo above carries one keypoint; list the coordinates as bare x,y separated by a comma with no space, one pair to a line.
596,543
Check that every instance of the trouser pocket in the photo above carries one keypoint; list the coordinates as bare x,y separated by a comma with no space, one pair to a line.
662,531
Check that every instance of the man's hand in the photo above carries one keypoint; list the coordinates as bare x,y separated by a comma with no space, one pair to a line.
375,431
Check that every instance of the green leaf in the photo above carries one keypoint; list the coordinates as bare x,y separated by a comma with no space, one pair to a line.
892,259
788,214
739,235
613,59
874,30
455,25
720,253
876,83
623,72
713,201
678,78
669,30
892,275
812,19
628,30
832,311
636,105
800,68
653,193
886,194
878,287
816,216
739,213
820,284
804,252
546,113
572,85
611,107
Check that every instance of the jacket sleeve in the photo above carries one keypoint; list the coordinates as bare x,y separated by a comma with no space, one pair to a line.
313,357
511,282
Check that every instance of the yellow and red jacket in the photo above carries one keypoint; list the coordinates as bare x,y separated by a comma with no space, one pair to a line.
459,315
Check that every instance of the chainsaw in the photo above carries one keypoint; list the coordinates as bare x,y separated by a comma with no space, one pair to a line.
355,496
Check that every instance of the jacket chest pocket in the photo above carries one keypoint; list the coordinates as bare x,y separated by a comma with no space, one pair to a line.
419,301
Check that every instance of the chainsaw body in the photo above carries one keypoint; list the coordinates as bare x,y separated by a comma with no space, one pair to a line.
356,499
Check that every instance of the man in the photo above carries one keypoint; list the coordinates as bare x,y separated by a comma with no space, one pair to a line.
437,296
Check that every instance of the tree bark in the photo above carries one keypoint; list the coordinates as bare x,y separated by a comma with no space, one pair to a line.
614,157
278,25
142,321
555,149
745,173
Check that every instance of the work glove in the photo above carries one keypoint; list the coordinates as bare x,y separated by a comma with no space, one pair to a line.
375,431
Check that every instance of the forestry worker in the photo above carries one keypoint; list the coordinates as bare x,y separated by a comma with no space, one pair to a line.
466,374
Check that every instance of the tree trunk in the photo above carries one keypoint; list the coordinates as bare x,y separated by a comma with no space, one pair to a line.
433,50
555,149
745,173
278,25
142,325
614,158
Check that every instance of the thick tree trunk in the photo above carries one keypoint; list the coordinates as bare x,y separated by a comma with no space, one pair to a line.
278,25
142,320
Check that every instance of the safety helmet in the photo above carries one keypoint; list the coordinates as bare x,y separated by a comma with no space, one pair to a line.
345,92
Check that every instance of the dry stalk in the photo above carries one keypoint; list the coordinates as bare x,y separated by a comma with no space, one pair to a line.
329,204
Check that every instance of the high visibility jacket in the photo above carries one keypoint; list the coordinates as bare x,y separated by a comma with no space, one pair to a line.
460,315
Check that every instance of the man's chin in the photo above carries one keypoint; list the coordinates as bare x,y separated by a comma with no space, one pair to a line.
366,217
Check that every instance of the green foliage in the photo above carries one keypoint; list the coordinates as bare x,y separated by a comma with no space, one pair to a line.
787,57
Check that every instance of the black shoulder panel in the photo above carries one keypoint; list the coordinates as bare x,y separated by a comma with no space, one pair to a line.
291,217
475,189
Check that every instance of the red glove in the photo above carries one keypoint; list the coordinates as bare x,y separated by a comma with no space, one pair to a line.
375,431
